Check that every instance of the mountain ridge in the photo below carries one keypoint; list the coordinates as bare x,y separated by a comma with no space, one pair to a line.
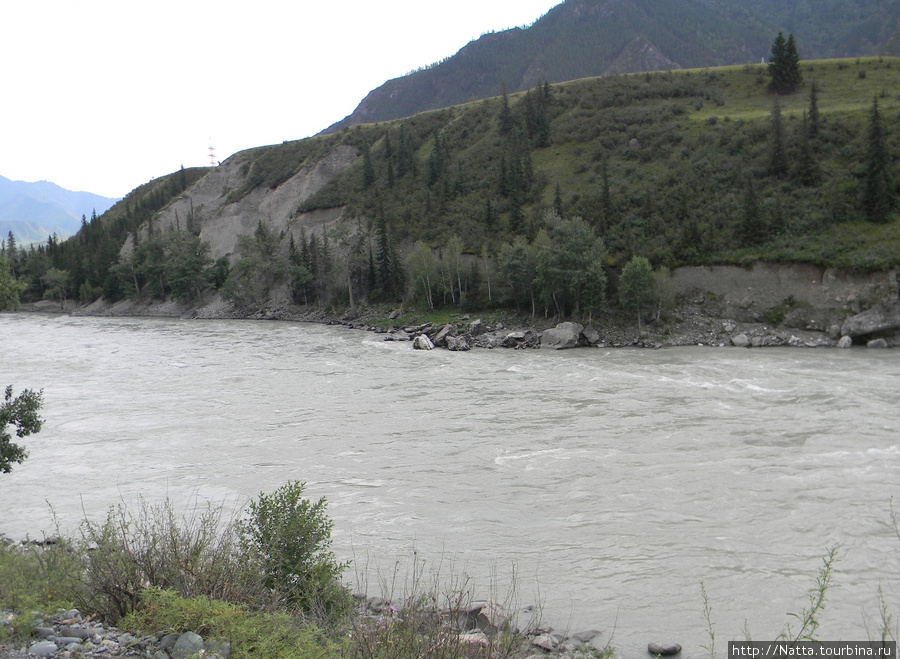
32,211
587,38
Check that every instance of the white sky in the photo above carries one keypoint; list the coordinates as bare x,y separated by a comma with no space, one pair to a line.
105,95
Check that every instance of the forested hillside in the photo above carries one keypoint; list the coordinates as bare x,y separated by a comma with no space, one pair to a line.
537,200
584,38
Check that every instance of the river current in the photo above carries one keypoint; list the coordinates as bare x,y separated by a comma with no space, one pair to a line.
607,485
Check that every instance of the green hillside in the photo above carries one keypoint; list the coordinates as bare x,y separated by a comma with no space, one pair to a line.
541,196
585,38
660,164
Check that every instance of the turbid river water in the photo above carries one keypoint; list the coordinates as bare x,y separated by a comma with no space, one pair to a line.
607,484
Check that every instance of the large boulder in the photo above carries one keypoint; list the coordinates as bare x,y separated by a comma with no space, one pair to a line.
845,342
422,342
564,335
663,649
741,341
880,318
476,328
591,335
440,339
458,343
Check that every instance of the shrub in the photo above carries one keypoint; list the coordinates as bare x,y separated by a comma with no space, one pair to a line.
35,577
289,539
192,554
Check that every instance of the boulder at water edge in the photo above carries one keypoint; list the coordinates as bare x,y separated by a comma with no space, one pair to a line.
564,335
740,341
663,649
877,343
880,318
845,342
440,339
457,343
422,342
591,335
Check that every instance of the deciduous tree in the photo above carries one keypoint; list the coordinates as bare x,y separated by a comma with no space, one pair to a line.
10,287
23,413
636,286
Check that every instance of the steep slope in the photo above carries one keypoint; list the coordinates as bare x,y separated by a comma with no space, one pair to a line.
584,38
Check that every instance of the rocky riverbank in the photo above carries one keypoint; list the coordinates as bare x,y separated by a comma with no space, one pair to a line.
69,634
700,321
761,306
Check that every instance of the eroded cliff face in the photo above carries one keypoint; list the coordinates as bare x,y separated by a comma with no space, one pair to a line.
221,221
803,296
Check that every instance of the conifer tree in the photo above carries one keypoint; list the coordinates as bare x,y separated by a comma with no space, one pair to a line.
389,158
557,201
606,205
793,75
751,231
879,193
505,119
808,172
778,156
368,169
813,113
784,65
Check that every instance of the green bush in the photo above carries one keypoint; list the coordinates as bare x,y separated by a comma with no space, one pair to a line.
36,577
289,539
196,553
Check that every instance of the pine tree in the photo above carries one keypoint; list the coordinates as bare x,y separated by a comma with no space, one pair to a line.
557,201
368,169
808,172
776,64
784,65
793,76
489,219
879,194
389,159
12,252
778,158
814,120
606,204
505,119
751,230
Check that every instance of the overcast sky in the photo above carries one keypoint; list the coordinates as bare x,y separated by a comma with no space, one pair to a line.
105,95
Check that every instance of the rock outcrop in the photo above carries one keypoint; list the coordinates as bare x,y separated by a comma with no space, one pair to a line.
564,335
880,318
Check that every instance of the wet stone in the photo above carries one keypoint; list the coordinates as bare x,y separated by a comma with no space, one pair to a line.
43,649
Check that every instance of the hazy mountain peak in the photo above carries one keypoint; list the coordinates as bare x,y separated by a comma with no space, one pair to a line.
35,210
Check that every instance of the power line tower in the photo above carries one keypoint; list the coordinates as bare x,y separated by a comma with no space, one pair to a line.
212,156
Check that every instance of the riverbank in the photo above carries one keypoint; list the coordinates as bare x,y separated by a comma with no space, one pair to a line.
702,319
167,624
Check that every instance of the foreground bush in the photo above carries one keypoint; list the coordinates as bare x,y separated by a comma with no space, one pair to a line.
36,578
289,539
277,557
196,553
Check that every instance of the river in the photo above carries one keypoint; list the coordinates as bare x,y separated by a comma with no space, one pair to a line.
606,484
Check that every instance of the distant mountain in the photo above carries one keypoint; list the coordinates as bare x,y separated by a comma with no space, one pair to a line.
585,38
34,211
